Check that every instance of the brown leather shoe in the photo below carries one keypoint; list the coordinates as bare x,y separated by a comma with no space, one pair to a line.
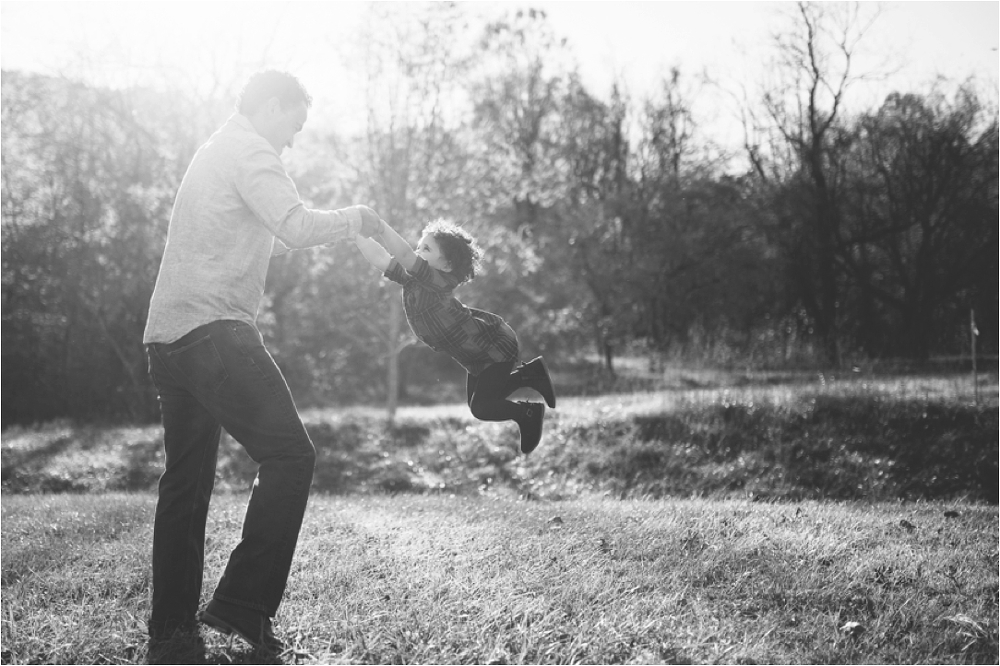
252,626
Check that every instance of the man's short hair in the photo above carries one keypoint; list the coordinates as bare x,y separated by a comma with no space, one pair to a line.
262,86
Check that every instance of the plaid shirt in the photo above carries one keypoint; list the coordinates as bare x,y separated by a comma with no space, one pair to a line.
474,338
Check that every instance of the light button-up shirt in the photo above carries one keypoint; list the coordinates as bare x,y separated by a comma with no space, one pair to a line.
235,200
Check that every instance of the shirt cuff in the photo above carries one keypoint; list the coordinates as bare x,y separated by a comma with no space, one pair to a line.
353,221
394,271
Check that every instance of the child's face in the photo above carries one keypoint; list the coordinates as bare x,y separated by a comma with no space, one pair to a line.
430,251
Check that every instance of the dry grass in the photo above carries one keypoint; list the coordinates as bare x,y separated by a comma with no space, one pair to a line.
484,563
439,579
859,438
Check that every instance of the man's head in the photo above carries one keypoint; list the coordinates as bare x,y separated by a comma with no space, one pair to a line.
277,105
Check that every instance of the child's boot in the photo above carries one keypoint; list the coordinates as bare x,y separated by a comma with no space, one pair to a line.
530,423
535,375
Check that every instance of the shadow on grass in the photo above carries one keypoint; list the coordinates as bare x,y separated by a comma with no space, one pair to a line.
823,447
830,448
16,462
85,459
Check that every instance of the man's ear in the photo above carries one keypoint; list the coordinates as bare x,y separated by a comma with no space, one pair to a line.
273,106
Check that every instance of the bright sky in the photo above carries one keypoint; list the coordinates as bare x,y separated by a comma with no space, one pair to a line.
204,43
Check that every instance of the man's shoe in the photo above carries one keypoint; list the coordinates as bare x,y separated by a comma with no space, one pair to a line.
181,644
252,626
531,425
534,374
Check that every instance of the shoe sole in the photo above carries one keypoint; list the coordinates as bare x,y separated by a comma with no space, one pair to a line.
541,422
552,389
217,623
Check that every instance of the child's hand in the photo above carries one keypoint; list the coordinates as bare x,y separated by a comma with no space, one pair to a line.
373,252
371,223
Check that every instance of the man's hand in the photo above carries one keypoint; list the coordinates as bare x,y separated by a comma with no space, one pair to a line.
371,223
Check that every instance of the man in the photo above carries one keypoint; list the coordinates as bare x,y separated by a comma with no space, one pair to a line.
212,371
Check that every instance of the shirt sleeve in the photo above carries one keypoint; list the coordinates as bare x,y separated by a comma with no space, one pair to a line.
431,277
265,186
396,272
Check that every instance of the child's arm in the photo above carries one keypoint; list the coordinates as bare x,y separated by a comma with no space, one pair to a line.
398,247
373,252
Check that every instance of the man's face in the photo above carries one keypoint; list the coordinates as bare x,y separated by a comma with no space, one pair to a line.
282,125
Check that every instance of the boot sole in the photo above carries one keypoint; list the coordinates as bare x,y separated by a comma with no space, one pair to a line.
541,422
551,389
217,623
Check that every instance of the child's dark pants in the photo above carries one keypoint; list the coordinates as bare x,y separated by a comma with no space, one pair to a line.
487,393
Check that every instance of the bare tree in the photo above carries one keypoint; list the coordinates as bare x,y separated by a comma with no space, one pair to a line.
793,136
413,60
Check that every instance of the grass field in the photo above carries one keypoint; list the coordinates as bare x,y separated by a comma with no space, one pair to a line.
441,579
793,438
782,521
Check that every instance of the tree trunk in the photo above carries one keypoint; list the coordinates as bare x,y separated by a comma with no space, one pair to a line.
392,365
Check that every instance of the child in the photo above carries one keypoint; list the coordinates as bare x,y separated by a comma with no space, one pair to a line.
481,342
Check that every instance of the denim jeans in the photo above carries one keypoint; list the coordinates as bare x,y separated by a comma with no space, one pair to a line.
221,376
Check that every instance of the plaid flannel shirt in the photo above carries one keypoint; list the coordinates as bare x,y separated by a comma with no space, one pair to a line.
474,338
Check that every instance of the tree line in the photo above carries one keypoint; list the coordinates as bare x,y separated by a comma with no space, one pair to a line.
609,223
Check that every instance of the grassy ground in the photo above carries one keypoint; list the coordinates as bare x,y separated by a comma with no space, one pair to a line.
651,526
494,579
787,438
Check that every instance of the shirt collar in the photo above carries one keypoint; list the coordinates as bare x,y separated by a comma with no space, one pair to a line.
240,120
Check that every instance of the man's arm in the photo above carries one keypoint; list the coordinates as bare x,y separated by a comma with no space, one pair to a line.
398,247
267,190
373,252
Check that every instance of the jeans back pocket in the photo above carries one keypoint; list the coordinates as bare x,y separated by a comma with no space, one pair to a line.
201,364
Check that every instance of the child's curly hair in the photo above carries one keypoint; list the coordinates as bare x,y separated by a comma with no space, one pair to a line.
457,246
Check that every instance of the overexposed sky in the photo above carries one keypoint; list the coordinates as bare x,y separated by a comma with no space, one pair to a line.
954,38
951,38
206,44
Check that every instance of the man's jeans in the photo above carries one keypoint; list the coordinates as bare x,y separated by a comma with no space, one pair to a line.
221,376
